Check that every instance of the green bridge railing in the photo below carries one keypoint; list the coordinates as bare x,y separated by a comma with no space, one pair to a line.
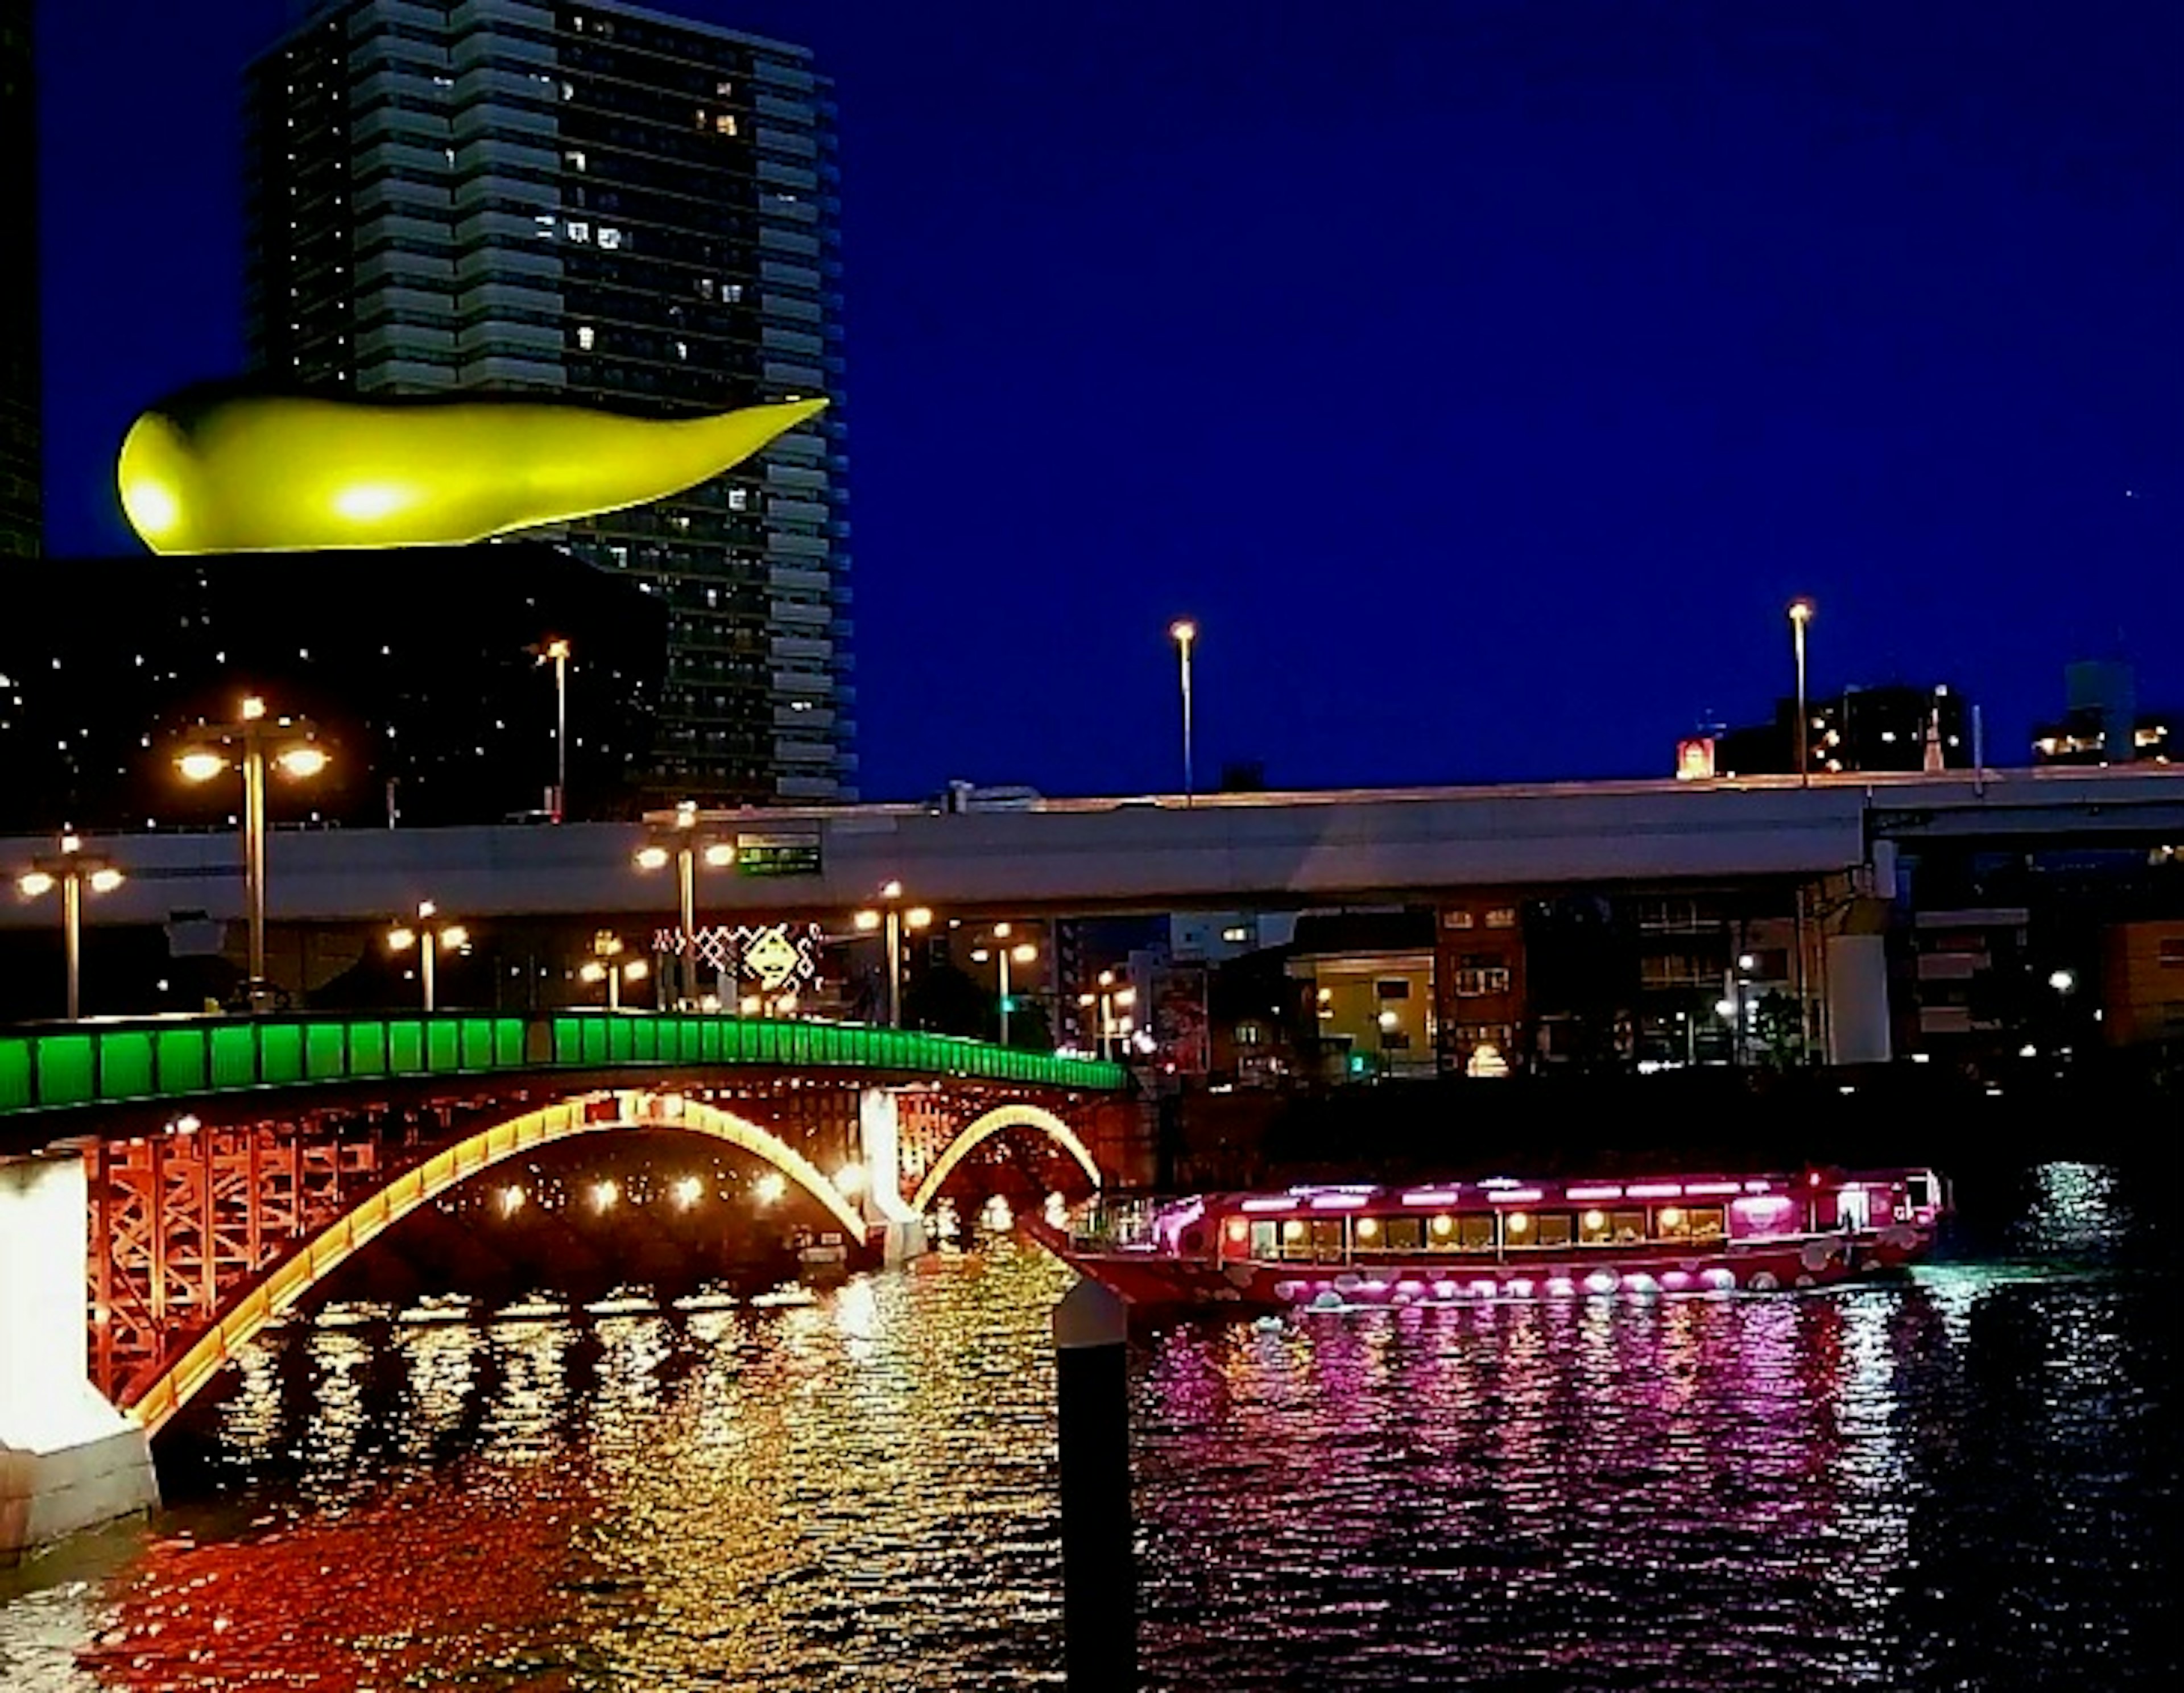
182,1058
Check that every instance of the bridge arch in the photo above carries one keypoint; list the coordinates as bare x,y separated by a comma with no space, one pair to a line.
277,1291
1016,1115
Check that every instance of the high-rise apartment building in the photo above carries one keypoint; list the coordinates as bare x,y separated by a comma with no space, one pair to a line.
20,522
611,204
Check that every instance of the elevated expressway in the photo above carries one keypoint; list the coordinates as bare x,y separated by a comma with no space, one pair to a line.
1153,853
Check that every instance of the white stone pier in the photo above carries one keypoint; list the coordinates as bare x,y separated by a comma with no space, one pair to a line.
69,1461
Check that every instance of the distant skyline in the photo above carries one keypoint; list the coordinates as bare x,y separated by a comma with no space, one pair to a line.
1482,377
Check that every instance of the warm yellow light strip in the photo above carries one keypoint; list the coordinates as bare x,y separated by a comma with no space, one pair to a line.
296,1275
985,1128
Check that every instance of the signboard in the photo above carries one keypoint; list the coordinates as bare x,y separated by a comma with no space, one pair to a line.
774,958
1695,759
777,855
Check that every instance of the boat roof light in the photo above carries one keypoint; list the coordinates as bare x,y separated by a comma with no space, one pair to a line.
1515,1195
1602,1191
1430,1196
1654,1190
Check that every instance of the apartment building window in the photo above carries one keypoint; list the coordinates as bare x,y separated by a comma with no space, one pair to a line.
1476,983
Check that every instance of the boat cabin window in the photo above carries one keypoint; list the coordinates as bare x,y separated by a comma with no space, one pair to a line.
1475,1232
1593,1228
1399,1234
1627,1225
1541,1228
1690,1222
1266,1239
1328,1238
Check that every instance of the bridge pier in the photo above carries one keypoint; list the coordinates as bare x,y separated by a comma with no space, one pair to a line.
879,1129
69,1461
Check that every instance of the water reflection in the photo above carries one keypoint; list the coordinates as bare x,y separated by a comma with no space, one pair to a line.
1961,1482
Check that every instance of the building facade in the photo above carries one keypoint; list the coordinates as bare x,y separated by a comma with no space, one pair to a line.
20,530
607,204
1893,727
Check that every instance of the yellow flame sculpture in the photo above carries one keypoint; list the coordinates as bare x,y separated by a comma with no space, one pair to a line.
262,473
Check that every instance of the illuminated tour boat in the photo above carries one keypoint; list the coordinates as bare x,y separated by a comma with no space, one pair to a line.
1453,1243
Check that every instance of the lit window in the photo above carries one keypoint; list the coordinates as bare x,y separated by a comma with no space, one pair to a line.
732,293
725,124
706,288
609,237
1235,936
579,231
1502,916
682,350
587,336
738,498
575,158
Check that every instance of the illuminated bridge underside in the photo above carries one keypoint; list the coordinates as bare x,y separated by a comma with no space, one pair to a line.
297,1269
201,1235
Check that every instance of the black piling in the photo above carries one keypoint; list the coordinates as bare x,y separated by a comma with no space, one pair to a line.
1099,1574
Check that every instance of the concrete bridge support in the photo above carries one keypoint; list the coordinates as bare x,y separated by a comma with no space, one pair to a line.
1858,986
69,1460
879,1126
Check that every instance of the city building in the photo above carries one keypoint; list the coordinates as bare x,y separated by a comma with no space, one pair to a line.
613,206
20,533
1895,727
422,669
2102,721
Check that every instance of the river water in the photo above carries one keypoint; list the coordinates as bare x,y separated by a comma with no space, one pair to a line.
1969,1481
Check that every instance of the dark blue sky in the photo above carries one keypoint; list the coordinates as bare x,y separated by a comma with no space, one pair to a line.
1484,377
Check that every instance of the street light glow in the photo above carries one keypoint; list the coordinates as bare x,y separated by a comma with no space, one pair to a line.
891,891
866,921
1801,611
200,767
651,857
2063,981
1184,629
456,936
769,1187
918,917
720,854
35,883
687,1192
253,708
303,763
402,939
1024,952
105,880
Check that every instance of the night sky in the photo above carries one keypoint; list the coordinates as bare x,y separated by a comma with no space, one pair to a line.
1484,377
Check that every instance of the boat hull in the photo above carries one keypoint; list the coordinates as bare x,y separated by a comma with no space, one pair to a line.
1153,1282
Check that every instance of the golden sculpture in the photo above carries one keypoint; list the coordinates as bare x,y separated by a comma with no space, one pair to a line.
266,473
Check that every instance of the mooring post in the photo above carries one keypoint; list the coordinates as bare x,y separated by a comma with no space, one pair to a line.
1099,1574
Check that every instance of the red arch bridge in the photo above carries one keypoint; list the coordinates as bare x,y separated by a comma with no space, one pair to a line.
207,1174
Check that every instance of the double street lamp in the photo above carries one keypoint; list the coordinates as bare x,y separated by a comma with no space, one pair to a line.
684,849
71,870
554,651
1003,951
1108,1001
245,745
430,940
890,916
602,966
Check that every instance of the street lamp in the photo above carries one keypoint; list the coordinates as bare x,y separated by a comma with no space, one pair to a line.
1109,1000
1800,613
1183,632
70,871
1021,952
554,651
245,744
684,848
430,941
606,947
890,916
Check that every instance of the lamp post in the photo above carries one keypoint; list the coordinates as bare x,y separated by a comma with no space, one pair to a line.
684,848
245,744
1108,1000
890,917
554,651
606,949
1800,613
430,941
1022,951
1183,632
68,870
